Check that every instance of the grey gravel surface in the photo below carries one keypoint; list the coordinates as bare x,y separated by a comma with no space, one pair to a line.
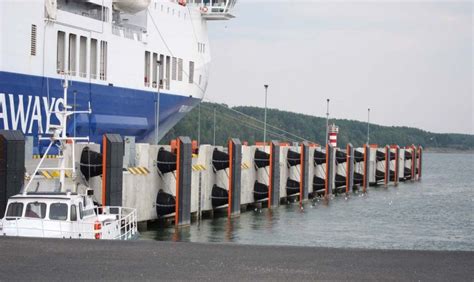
50,259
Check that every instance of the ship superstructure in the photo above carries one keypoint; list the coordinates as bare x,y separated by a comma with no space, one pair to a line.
140,66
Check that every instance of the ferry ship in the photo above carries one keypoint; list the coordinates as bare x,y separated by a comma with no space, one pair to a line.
138,65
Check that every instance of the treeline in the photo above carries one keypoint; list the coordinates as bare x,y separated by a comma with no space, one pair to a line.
246,124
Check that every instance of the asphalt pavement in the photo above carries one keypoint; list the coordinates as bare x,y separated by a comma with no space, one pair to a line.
51,259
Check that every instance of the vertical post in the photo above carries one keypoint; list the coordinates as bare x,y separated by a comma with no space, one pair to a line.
413,162
420,161
368,126
327,123
112,166
304,171
397,164
235,169
214,135
326,179
273,187
265,118
183,181
387,165
349,167
365,180
199,124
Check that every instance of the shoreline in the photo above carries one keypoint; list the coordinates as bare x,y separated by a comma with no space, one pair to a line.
32,258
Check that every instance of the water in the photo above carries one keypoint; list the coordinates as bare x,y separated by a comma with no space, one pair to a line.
434,214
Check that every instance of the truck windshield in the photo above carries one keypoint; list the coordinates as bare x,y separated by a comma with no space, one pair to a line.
58,211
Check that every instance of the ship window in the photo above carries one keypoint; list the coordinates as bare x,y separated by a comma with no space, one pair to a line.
191,72
180,69
93,58
147,69
35,210
155,70
73,213
72,54
103,60
33,40
81,210
58,211
173,69
14,210
61,55
168,71
162,67
83,56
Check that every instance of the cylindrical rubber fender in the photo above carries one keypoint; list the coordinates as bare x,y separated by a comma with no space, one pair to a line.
220,160
292,187
262,159
379,175
358,157
341,157
319,157
380,156
219,196
165,204
293,158
166,161
260,191
340,181
91,163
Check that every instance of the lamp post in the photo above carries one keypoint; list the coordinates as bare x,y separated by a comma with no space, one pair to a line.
265,118
214,135
327,121
368,126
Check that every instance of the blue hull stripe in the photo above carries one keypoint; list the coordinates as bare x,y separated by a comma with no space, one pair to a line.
24,100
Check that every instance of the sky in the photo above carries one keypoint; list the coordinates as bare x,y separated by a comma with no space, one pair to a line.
410,62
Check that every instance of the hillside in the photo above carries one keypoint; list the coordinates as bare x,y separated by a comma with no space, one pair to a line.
248,127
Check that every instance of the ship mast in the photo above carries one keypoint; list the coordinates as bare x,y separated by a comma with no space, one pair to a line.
59,135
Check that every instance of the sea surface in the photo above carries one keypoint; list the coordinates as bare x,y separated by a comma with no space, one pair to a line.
436,213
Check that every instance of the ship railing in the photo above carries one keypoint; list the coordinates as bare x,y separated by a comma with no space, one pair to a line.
125,221
127,218
126,32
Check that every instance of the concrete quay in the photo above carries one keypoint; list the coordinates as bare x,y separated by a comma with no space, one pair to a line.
51,259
